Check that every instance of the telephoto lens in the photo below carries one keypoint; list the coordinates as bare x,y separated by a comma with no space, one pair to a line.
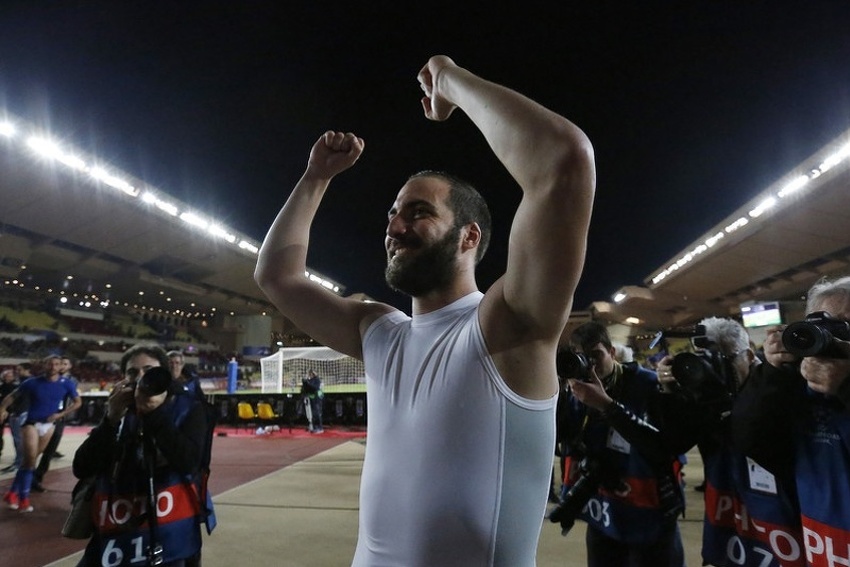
155,381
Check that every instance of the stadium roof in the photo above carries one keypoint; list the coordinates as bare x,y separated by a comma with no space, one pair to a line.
72,226
773,248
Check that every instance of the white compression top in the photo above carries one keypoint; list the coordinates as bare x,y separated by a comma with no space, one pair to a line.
457,466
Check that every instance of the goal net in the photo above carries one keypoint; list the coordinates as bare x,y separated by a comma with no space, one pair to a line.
282,372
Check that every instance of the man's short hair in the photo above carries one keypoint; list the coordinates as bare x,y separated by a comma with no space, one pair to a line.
153,351
730,336
467,205
175,354
825,289
590,334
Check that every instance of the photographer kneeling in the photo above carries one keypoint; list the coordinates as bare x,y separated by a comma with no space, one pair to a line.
146,454
794,418
620,477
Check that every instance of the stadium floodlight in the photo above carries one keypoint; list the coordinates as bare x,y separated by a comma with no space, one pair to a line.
164,206
245,245
44,147
834,159
712,240
742,221
194,220
221,232
7,129
795,185
115,182
762,207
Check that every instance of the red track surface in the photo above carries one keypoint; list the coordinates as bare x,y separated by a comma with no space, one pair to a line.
34,539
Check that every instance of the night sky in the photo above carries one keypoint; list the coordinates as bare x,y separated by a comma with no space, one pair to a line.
693,107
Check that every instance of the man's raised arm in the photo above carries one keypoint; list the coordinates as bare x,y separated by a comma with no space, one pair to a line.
552,161
329,319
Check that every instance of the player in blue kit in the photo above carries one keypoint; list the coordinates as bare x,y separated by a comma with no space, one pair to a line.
46,394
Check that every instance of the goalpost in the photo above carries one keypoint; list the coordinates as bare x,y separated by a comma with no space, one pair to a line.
282,372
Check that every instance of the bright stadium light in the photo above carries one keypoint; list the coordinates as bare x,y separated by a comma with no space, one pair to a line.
152,199
737,224
115,182
7,129
834,159
762,207
245,245
794,186
221,232
194,220
43,145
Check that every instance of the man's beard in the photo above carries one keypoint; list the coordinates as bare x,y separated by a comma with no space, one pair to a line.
425,269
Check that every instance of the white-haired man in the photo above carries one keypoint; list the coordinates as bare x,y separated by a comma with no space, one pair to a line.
741,497
794,419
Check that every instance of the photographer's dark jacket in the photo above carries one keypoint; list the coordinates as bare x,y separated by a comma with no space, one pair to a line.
804,436
175,435
751,515
626,507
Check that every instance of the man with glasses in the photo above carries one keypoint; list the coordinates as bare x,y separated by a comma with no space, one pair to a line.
750,516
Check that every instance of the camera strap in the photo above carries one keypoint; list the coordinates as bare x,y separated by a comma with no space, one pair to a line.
154,551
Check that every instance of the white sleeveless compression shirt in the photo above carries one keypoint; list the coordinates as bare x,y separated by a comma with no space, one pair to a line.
457,466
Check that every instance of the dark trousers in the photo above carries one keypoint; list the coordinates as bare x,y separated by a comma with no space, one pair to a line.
666,551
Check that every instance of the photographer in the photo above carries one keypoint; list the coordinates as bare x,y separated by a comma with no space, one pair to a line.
150,447
620,477
750,515
794,418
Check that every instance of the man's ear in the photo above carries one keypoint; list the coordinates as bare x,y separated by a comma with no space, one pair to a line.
471,236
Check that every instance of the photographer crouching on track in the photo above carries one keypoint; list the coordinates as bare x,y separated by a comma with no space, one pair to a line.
751,516
150,452
620,477
793,418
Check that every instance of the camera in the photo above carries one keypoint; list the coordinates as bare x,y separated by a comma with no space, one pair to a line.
815,336
587,485
155,381
705,377
571,364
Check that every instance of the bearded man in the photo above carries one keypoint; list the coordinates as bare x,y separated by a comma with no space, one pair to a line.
467,385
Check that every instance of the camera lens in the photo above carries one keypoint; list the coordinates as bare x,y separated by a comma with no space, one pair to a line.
155,381
570,364
689,369
805,339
